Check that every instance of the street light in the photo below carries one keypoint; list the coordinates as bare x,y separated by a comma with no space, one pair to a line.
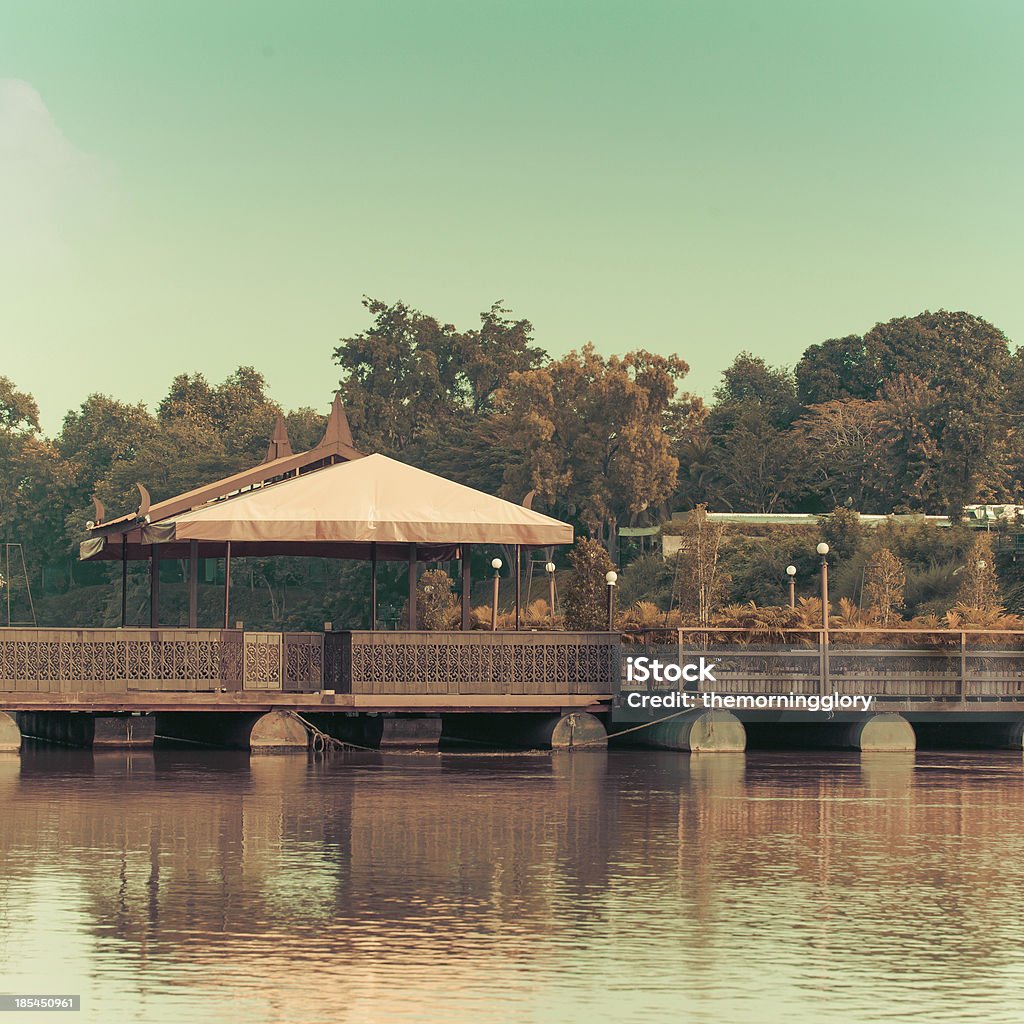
791,573
496,566
823,551
611,578
550,570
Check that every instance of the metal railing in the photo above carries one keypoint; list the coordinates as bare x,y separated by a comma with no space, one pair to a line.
157,660
927,665
471,662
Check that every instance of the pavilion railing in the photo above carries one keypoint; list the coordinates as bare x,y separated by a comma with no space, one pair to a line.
904,664
470,663
146,660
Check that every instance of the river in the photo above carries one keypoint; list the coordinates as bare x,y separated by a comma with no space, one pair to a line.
186,886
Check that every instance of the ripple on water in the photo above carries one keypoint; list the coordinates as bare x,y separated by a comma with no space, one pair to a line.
627,887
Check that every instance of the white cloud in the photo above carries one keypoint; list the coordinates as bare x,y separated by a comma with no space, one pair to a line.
46,182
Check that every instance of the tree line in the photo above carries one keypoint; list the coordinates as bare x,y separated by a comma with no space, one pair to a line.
920,413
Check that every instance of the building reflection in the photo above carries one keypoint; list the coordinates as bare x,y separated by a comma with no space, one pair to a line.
352,866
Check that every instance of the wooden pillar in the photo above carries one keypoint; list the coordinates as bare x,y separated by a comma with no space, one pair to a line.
124,579
373,585
154,585
518,582
467,583
193,584
227,586
412,586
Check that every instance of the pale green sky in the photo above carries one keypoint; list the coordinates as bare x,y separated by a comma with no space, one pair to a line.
195,185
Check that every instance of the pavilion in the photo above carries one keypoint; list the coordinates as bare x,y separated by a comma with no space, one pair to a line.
332,501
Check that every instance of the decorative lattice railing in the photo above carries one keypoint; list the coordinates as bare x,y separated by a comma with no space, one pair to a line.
125,660
470,663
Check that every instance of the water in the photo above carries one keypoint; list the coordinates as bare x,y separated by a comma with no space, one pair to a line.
646,887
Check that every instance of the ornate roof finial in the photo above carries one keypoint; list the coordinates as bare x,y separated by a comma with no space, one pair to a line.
280,446
338,431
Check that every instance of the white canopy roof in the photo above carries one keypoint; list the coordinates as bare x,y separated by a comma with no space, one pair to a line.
369,499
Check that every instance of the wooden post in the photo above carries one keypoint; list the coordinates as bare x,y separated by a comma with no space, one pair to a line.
518,583
154,585
963,666
467,585
193,584
412,586
124,579
373,584
227,584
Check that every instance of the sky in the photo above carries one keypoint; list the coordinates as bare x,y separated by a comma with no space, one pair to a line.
193,186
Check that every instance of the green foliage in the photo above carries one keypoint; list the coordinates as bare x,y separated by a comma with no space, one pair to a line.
979,584
700,582
436,607
585,601
885,585
920,413
647,579
843,532
587,434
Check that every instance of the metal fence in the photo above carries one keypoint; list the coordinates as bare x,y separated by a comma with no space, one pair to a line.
127,660
904,664
471,662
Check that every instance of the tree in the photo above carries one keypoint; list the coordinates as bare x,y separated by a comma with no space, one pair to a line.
908,473
700,584
436,607
409,379
885,584
843,452
584,602
979,584
32,480
587,434
755,463
836,370
747,383
842,531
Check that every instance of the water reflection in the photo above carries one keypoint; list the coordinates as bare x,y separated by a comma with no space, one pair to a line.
184,885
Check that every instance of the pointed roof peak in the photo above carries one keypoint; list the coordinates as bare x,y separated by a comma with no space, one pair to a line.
280,446
338,431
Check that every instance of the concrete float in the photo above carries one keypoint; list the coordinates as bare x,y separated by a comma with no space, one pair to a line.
381,731
697,732
885,732
566,730
10,734
83,729
996,733
267,732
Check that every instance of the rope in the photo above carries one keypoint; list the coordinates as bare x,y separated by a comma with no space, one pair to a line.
624,732
321,742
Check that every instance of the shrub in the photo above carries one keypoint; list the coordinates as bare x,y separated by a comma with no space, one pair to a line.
586,594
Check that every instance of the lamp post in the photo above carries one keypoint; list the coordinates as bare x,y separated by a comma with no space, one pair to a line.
791,573
823,551
550,570
496,566
611,578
